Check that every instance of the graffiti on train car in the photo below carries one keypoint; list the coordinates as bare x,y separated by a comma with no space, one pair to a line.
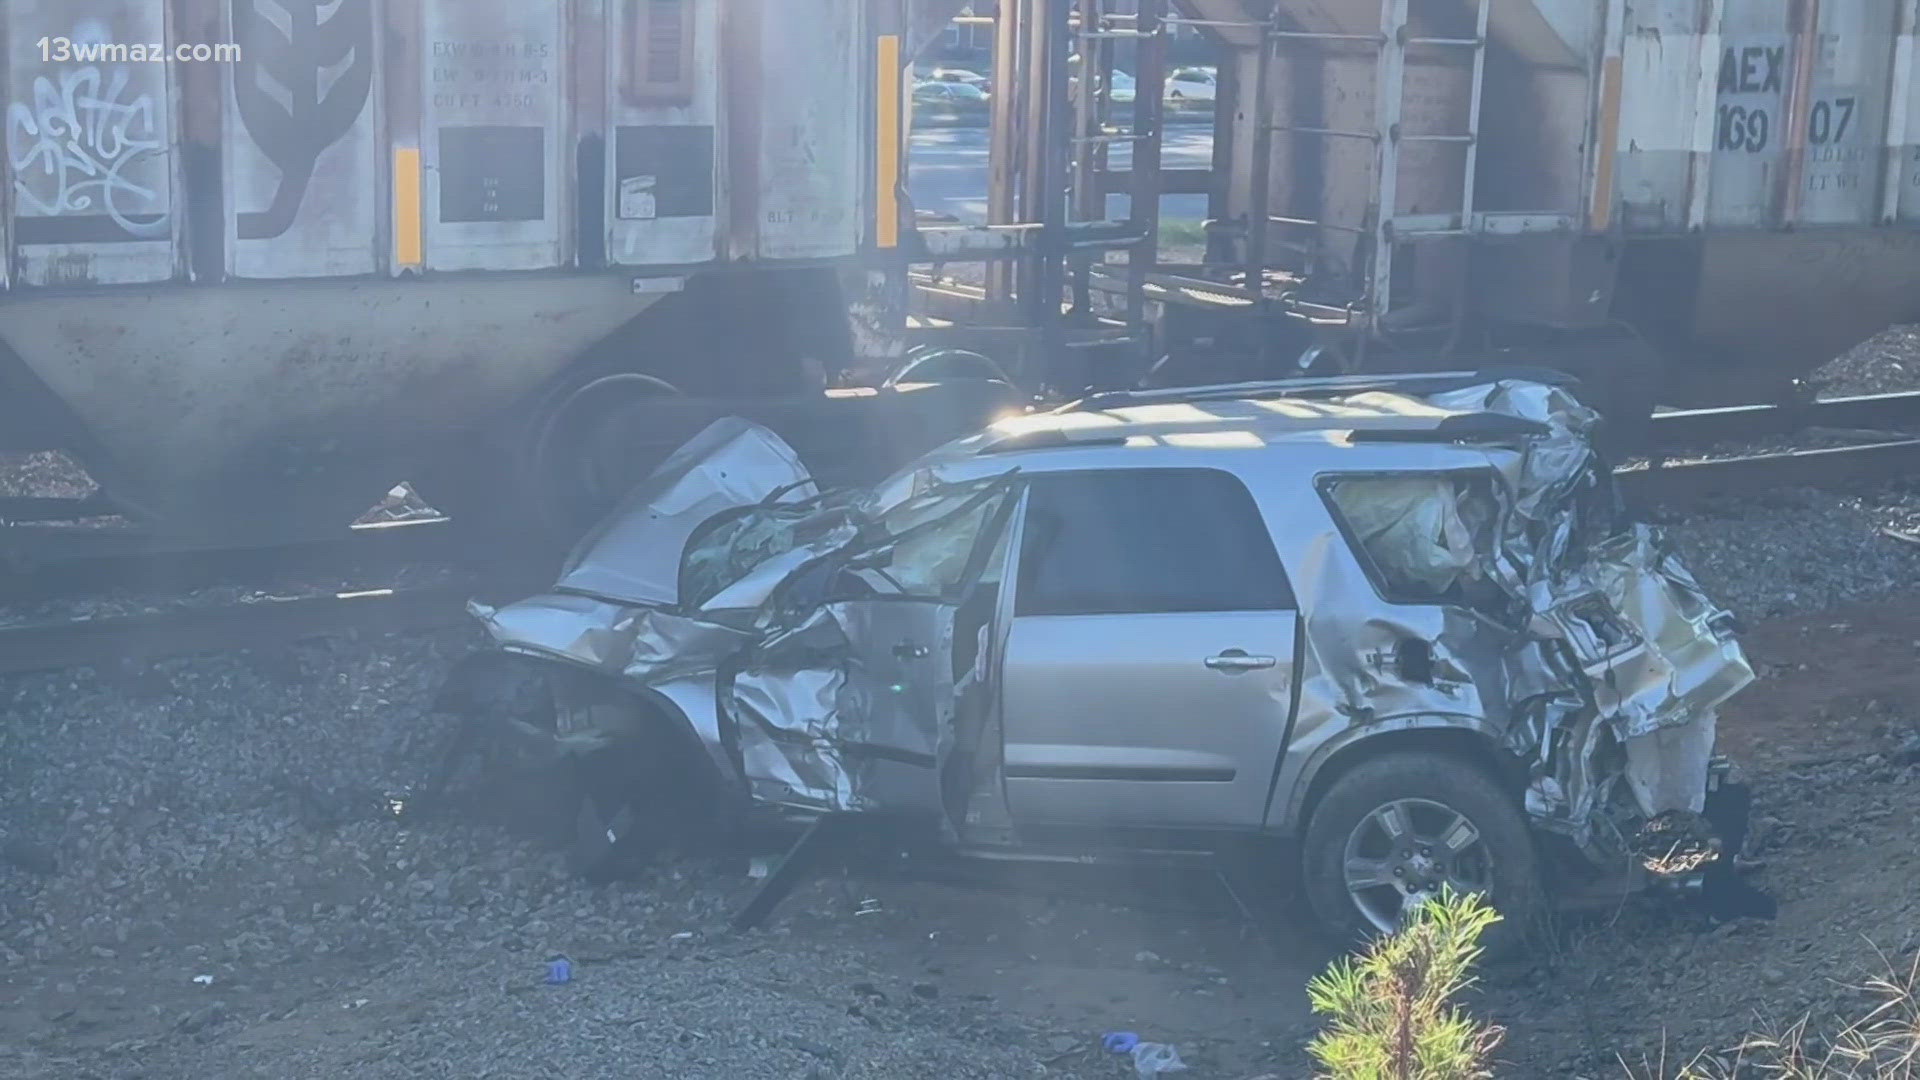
303,80
74,150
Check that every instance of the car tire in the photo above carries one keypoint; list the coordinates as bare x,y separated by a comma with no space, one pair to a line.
1421,785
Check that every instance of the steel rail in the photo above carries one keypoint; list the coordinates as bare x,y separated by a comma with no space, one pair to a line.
1700,427
255,624
1750,475
46,562
226,627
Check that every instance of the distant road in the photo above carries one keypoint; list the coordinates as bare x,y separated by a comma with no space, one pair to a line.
949,171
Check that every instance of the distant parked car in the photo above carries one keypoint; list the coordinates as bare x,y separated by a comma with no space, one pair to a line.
961,76
1191,84
1122,90
949,103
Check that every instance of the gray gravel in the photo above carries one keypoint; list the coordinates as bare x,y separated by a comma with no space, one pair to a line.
231,817
1802,551
1887,363
45,473
230,820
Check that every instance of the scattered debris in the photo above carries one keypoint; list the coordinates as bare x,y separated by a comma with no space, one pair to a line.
559,971
1152,1059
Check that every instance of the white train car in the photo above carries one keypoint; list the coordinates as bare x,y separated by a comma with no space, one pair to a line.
264,258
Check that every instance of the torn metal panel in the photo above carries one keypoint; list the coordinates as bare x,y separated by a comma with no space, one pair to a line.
575,629
643,644
1545,476
1665,766
852,710
848,704
786,724
826,628
1657,651
1601,659
634,556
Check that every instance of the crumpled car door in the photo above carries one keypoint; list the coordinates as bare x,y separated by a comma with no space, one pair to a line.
848,704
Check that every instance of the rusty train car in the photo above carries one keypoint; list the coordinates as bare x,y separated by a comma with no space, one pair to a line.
1738,180
253,290
1682,198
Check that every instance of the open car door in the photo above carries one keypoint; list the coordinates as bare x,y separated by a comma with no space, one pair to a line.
850,701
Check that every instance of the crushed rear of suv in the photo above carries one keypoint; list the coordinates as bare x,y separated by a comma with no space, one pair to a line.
1400,623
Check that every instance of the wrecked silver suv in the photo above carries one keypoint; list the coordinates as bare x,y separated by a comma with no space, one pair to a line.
1400,623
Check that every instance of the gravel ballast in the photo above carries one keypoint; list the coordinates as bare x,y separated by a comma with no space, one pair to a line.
233,818
1887,363
203,874
1802,551
235,825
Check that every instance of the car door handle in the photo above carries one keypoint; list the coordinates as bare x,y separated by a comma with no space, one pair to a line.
1238,660
907,650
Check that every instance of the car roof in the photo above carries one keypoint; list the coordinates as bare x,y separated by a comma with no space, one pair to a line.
1361,424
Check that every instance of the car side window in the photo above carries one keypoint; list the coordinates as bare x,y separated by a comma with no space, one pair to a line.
1428,538
1146,541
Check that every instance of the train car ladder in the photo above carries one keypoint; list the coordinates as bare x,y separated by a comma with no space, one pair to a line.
1392,42
1390,101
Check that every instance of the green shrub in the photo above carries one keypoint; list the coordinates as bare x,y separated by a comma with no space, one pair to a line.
1391,1009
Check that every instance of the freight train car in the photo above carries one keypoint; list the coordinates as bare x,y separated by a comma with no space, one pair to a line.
1665,194
1737,180
265,258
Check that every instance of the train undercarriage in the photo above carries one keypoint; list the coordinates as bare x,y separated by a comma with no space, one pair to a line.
254,411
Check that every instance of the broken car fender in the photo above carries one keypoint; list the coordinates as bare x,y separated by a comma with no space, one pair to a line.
691,703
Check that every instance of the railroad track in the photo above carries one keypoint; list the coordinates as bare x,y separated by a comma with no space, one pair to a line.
1841,466
58,561
236,627
261,623
1885,430
1692,428
269,622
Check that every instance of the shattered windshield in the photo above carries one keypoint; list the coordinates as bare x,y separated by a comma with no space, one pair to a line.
928,542
728,546
919,547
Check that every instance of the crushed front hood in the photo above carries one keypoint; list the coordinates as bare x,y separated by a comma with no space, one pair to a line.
634,555
728,566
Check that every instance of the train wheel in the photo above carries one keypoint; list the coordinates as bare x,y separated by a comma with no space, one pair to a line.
535,488
596,442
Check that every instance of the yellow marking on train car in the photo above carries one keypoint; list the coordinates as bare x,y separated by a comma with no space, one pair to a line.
886,180
407,237
1600,214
